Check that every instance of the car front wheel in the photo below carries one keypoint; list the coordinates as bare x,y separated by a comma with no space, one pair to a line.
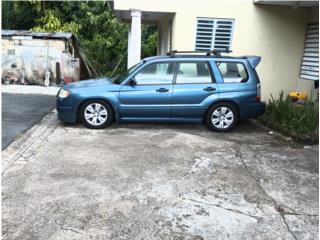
96,114
222,117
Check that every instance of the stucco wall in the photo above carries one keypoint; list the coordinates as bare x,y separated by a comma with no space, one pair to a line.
164,31
276,33
314,14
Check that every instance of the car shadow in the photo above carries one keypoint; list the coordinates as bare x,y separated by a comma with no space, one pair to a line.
243,126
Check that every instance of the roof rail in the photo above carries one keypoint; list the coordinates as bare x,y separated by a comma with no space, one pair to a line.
214,52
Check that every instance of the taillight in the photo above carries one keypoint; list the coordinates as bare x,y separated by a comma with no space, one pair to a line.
258,97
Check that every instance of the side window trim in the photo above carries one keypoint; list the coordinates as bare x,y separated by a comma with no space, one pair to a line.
152,84
237,62
177,65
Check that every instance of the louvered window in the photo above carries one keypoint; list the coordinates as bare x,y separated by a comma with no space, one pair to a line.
214,34
310,62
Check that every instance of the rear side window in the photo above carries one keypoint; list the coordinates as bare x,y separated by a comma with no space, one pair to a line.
193,72
156,73
233,72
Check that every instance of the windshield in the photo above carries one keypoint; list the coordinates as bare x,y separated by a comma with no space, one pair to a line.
122,76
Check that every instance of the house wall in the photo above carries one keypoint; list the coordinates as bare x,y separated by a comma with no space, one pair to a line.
314,14
276,33
164,35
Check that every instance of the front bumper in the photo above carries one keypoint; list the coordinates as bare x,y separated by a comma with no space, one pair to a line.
65,113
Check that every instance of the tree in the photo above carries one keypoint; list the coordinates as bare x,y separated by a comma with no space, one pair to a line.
101,35
149,41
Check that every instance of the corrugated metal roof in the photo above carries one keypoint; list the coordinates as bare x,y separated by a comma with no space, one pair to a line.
59,35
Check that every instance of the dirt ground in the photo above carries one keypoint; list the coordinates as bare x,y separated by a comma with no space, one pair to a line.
158,181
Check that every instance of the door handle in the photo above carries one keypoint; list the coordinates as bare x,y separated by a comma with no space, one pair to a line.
162,90
209,89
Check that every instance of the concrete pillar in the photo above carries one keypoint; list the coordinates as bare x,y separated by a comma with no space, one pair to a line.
134,38
129,46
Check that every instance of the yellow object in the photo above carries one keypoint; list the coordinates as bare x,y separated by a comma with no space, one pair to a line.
298,95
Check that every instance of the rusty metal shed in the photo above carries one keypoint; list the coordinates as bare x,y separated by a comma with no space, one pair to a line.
37,53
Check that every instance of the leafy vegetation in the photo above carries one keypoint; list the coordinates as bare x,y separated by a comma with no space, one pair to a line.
102,36
301,121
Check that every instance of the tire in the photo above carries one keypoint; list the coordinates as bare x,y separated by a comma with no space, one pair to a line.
222,117
96,114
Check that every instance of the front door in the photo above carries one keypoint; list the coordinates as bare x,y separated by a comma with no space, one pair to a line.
150,98
194,86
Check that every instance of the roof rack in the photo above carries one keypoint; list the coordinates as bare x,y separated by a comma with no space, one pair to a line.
214,52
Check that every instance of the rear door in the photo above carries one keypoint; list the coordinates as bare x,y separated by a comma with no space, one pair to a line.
194,83
151,96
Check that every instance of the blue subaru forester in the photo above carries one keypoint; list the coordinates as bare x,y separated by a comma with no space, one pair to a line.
179,87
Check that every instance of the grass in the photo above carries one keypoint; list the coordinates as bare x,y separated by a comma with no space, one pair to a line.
300,121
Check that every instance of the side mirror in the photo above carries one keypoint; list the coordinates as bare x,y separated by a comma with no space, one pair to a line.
132,82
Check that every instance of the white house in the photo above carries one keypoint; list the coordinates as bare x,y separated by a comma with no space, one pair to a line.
283,33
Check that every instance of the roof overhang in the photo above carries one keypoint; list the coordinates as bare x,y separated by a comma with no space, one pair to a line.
288,3
147,17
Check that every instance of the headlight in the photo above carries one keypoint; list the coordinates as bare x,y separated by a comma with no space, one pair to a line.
64,93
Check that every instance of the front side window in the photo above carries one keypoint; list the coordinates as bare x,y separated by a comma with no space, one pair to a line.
156,73
233,72
193,72
121,77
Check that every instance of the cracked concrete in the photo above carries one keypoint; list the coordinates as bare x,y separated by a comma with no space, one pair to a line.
157,181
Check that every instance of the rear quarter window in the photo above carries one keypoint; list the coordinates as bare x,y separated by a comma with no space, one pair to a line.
233,72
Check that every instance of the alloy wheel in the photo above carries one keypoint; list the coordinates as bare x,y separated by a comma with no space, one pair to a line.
96,114
222,117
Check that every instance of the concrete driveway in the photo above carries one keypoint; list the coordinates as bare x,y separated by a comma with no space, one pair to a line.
154,181
22,111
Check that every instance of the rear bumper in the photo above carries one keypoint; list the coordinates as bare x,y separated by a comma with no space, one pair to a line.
252,110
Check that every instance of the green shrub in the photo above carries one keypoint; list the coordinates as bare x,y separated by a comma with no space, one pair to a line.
299,120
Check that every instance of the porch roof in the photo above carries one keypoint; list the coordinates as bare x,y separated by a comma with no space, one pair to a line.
147,17
288,3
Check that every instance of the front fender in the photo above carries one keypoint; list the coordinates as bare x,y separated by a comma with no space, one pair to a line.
109,97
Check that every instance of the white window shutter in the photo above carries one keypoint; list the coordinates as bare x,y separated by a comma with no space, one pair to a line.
223,35
310,62
214,34
205,34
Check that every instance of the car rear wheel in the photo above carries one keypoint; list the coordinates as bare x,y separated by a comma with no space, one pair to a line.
222,117
96,114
